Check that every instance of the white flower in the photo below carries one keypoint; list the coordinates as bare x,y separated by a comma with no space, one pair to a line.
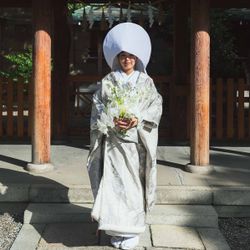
102,127
124,101
105,122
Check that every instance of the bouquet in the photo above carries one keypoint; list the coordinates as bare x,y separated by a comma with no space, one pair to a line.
124,102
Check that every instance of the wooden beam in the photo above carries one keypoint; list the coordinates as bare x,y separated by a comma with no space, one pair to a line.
230,4
15,3
200,53
213,3
41,82
120,2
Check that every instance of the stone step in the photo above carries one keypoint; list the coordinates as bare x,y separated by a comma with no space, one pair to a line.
82,194
57,212
196,195
176,237
184,215
180,215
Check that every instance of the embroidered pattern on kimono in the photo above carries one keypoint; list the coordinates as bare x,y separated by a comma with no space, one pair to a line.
122,170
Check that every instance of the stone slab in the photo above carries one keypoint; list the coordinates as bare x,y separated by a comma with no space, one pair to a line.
145,239
83,248
233,211
52,212
14,192
184,195
59,193
231,196
68,235
184,215
13,207
213,239
174,176
176,237
28,237
164,248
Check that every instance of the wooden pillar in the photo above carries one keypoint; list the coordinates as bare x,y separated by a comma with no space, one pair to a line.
1,33
200,74
41,124
60,86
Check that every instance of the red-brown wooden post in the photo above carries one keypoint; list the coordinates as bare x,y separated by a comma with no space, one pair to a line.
200,70
41,124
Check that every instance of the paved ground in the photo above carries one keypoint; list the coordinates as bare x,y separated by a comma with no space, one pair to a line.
232,171
83,236
231,165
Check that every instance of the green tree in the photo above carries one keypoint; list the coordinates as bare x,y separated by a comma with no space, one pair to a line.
21,65
224,55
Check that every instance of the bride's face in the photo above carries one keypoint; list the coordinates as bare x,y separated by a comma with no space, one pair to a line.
127,62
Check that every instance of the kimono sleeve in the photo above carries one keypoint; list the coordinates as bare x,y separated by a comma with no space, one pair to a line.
151,114
95,158
97,108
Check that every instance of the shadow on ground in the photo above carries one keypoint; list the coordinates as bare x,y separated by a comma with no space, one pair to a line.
20,189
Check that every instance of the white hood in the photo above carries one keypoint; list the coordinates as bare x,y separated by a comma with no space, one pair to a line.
128,37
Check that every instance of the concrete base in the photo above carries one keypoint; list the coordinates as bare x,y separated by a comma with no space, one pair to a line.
199,169
39,168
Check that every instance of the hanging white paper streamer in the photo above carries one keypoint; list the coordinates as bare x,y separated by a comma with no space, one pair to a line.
129,13
150,15
84,20
91,18
110,17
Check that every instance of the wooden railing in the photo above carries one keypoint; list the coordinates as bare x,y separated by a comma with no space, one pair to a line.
14,108
229,111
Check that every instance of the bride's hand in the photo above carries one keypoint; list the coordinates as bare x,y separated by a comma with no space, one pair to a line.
133,122
125,124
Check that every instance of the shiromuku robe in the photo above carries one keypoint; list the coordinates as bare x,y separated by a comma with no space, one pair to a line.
122,169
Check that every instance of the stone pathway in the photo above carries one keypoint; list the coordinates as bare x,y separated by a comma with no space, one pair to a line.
62,236
226,189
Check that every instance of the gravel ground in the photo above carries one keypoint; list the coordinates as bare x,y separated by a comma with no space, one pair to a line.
10,225
236,231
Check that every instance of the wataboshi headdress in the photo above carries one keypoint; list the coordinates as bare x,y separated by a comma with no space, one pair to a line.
129,37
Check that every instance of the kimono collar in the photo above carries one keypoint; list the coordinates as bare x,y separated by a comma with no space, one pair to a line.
123,78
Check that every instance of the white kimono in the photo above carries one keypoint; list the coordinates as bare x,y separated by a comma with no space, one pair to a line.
122,170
